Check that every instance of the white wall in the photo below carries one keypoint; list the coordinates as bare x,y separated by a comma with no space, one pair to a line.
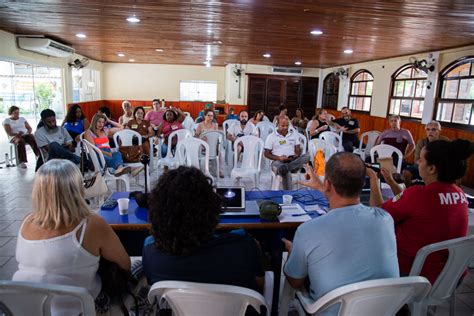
149,81
232,82
10,52
382,71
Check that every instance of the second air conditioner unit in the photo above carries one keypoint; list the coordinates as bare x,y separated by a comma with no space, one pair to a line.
288,70
44,46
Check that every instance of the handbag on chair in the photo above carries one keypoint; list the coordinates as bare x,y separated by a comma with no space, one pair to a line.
131,153
95,186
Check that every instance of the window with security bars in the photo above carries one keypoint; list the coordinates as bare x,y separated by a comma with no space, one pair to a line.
456,93
408,92
360,95
198,91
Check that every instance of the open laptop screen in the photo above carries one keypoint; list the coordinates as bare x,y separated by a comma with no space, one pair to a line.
233,198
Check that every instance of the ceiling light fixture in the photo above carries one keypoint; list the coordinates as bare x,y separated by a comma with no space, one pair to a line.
81,35
133,19
121,55
159,50
348,51
131,60
297,63
267,55
208,64
316,32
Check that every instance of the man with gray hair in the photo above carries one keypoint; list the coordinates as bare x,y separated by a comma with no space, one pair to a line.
351,243
433,131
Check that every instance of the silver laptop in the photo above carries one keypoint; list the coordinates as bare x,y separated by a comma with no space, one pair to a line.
234,203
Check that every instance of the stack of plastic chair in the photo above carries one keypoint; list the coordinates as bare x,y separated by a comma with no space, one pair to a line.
189,152
188,123
171,160
251,158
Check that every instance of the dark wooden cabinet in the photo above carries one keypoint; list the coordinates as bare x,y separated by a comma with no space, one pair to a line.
268,93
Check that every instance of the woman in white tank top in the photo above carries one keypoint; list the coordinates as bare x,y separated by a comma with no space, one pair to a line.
61,241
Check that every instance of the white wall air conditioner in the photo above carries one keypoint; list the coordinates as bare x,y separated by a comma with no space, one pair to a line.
288,70
45,46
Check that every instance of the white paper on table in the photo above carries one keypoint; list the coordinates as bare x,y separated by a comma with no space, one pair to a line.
287,212
315,208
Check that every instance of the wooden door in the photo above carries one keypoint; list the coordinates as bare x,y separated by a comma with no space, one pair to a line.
292,97
275,96
330,92
309,95
257,94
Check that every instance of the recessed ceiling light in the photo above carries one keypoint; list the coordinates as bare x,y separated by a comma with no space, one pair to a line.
121,55
297,63
133,19
131,60
159,50
81,35
267,55
348,51
316,32
208,65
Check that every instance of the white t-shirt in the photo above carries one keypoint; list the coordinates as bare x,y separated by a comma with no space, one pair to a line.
16,125
236,129
281,145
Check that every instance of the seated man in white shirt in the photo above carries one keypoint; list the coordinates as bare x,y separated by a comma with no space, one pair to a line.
242,128
283,147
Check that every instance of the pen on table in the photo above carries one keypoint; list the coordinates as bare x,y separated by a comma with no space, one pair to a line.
302,214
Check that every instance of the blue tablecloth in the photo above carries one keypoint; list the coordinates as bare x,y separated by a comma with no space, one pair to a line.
137,215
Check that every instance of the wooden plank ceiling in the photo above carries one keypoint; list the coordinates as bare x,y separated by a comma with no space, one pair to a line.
242,31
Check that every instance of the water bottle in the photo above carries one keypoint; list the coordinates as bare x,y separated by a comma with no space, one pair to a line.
7,160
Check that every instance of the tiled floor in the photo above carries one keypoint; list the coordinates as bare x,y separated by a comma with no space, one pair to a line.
15,203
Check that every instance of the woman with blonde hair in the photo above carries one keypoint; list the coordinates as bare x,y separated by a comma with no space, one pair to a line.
98,135
61,241
319,123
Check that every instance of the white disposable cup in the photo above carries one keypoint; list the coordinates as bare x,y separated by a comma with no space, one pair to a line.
123,206
287,199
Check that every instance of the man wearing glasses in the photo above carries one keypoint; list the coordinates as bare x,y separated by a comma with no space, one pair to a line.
433,131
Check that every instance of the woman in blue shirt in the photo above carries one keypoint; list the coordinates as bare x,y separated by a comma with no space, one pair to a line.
75,122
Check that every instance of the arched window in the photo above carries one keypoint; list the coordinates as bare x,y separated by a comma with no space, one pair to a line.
360,96
408,92
330,91
456,92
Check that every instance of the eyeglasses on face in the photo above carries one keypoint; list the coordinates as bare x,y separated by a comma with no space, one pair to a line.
431,129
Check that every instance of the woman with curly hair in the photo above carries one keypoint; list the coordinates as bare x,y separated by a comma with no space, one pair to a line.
184,211
75,122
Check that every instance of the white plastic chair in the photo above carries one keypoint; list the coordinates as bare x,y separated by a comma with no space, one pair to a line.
188,123
171,160
306,131
214,139
461,252
303,143
13,155
189,151
29,298
251,158
333,138
98,161
264,129
227,143
381,297
200,299
386,151
371,139
327,148
187,114
125,137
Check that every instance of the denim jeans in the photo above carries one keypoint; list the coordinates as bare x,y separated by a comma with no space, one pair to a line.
115,161
58,151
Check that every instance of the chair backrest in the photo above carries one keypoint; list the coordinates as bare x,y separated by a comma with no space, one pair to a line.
28,298
179,134
327,148
226,124
386,151
252,154
125,137
189,151
264,129
306,131
198,299
214,139
95,155
333,138
187,114
374,297
461,253
371,139
188,123
303,143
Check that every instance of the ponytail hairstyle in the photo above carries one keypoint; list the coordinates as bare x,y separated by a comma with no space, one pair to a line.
449,158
